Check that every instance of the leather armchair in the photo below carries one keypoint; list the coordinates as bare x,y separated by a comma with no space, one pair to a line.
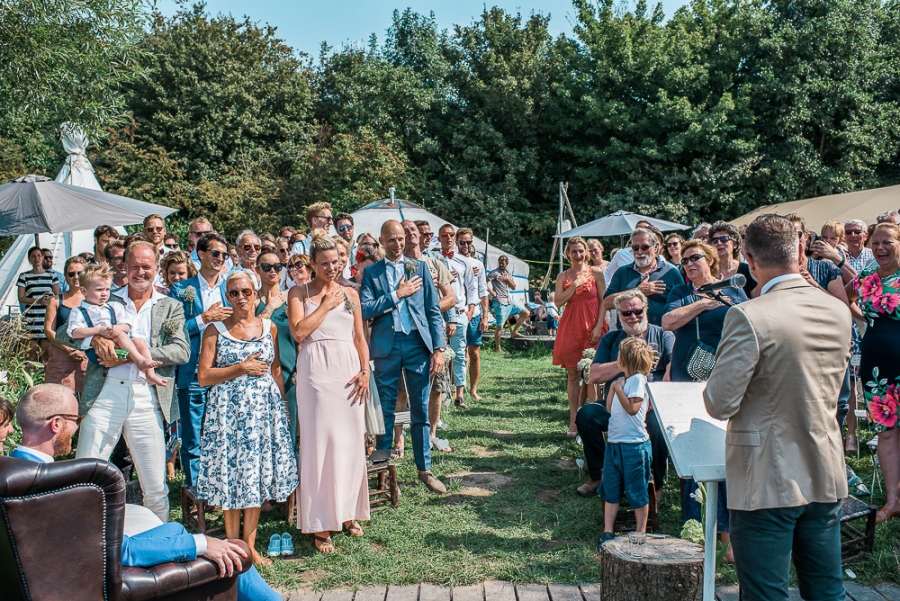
61,530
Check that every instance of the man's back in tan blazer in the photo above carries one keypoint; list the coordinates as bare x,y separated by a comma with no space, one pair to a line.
778,375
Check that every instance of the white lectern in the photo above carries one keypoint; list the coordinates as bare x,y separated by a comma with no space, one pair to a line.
696,444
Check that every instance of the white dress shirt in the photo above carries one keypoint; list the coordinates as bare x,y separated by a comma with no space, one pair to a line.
464,286
480,282
779,279
209,295
141,327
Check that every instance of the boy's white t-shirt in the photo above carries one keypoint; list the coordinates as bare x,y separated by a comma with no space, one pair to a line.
99,315
629,428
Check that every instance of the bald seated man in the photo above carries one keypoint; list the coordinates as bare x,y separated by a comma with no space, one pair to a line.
48,416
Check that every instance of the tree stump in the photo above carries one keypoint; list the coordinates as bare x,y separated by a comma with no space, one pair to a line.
670,570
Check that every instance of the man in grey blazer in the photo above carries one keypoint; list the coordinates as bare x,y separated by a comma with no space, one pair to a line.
400,298
777,379
116,399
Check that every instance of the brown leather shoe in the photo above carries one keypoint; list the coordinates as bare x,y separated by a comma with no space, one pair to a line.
433,484
589,488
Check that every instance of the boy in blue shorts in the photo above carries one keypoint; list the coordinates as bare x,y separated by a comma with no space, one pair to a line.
626,466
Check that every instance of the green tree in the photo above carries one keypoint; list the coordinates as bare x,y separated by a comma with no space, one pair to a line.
66,60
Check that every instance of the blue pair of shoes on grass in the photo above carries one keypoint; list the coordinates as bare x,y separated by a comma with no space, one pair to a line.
281,544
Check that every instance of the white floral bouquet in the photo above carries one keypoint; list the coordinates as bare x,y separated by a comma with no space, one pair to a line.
585,363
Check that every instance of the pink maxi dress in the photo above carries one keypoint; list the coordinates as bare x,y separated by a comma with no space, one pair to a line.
332,455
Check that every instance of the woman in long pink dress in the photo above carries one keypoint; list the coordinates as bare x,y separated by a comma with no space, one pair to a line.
332,387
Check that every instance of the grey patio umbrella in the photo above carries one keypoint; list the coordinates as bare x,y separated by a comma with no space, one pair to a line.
34,204
619,223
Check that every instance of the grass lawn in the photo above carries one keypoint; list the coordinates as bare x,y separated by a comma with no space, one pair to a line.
511,513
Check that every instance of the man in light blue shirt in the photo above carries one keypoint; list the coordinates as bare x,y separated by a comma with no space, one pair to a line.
48,416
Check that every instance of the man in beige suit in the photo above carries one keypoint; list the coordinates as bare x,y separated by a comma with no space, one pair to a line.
777,379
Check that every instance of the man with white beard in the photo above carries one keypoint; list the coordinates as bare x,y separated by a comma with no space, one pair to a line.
649,273
593,419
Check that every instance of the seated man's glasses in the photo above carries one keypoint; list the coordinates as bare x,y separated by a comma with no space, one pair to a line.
641,247
636,313
69,416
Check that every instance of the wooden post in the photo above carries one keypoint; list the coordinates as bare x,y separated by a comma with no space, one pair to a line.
670,570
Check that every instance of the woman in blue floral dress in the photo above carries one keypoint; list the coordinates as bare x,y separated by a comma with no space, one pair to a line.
246,454
878,291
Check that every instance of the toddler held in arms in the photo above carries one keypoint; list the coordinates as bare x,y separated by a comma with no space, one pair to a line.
626,466
96,317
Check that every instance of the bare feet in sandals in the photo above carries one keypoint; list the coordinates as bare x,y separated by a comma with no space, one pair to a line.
352,528
259,559
323,542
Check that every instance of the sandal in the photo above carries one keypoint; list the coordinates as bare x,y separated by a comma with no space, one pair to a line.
354,529
397,453
884,515
323,544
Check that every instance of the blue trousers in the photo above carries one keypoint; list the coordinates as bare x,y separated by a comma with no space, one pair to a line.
192,403
457,344
409,355
765,542
171,542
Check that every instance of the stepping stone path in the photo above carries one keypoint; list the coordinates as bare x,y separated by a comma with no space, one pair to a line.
494,590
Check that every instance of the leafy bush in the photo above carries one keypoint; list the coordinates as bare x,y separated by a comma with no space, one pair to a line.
17,372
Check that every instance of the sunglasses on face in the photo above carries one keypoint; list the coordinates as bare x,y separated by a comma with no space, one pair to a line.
721,240
200,234
426,234
249,247
247,292
267,267
173,245
344,228
296,267
154,229
636,313
72,274
641,247
464,242
69,416
853,232
447,235
672,243
217,253
692,259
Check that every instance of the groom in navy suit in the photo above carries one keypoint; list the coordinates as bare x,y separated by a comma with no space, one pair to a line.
399,296
48,416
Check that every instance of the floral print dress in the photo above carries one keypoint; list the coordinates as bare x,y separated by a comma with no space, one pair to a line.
246,453
879,300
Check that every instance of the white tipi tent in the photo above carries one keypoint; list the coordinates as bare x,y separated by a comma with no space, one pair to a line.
78,171
371,217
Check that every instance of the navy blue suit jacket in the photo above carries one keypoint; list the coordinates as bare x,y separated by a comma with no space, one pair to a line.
378,305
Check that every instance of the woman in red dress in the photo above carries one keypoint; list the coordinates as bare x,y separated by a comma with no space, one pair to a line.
580,289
